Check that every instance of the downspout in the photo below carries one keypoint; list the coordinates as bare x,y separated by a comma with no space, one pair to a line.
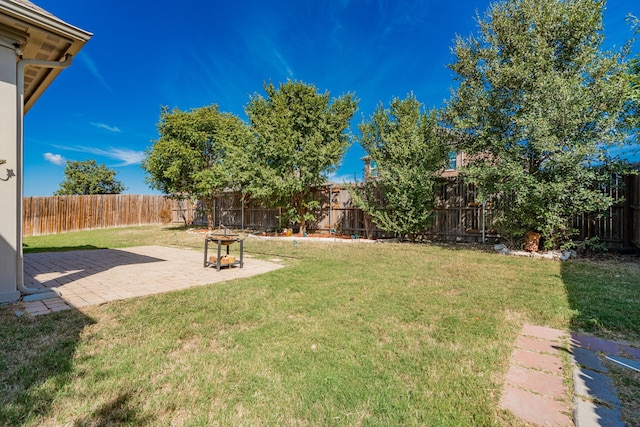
20,66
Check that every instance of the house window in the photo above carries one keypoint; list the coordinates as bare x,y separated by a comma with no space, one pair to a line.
373,169
453,160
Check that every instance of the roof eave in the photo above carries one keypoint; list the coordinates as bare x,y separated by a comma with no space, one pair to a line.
44,20
36,18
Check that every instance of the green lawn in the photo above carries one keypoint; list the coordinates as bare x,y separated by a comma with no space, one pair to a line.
384,334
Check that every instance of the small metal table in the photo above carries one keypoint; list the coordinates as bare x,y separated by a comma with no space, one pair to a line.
222,241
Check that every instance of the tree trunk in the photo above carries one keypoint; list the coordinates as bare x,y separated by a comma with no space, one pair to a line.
368,225
303,222
209,209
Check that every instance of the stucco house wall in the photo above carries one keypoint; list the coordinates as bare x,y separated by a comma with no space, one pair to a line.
8,190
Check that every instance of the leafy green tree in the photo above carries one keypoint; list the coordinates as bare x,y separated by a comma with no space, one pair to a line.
193,156
634,77
540,103
409,152
300,138
633,117
88,177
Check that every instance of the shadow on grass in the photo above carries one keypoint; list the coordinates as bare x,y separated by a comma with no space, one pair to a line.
27,250
36,363
479,247
116,412
37,367
603,295
182,227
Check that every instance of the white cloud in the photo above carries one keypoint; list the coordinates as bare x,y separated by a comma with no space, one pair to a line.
284,65
106,127
56,159
126,156
86,59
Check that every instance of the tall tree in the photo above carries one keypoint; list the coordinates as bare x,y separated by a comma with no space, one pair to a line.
634,77
409,152
89,177
301,137
541,103
193,156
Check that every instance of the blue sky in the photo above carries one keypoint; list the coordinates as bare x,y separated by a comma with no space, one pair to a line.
144,55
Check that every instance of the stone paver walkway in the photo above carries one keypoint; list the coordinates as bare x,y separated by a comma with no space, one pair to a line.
534,388
82,278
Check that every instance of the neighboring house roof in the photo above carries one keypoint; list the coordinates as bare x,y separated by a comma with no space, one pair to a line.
42,36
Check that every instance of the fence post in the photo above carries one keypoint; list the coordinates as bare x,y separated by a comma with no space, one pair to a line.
484,222
627,212
330,209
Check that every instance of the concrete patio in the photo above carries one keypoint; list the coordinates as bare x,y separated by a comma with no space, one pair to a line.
82,278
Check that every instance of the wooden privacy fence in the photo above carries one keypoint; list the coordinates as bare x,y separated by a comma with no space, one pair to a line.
616,226
457,217
59,214
336,214
634,210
